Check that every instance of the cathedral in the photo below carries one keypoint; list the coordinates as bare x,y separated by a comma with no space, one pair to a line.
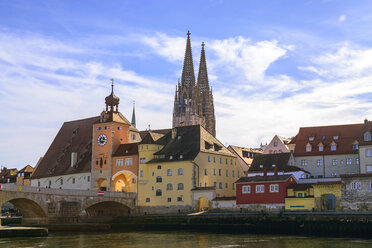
193,101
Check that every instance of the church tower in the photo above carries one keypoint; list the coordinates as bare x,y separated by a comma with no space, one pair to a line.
193,102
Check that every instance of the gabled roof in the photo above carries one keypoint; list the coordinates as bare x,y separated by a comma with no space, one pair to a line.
264,178
74,136
156,131
27,169
244,162
151,137
347,134
126,150
185,143
280,160
8,173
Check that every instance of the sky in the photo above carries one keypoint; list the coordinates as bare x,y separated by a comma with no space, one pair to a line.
274,66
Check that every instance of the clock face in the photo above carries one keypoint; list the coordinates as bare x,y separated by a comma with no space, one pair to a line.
102,140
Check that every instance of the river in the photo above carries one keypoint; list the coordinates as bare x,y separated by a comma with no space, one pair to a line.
179,239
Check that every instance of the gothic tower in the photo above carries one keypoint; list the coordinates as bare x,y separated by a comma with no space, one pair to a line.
193,102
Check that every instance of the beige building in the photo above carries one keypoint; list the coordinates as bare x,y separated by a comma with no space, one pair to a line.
245,155
184,171
277,145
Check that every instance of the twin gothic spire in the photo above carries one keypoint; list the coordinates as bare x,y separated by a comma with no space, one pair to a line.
193,103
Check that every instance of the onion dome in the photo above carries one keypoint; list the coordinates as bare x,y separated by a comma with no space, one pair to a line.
112,100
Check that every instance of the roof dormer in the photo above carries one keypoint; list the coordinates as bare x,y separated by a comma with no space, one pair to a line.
320,147
308,147
333,146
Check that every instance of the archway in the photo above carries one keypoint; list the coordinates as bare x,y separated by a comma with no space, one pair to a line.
204,204
328,202
106,211
124,181
101,184
28,210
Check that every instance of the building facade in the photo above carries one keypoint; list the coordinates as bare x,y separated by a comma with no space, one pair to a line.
193,101
245,155
277,145
183,170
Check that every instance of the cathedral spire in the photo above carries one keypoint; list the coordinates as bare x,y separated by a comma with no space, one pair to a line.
203,83
133,122
188,76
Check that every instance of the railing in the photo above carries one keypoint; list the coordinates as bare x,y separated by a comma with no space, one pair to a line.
72,192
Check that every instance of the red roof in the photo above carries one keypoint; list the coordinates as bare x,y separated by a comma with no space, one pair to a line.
347,135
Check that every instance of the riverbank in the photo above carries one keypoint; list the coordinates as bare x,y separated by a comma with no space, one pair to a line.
20,231
352,225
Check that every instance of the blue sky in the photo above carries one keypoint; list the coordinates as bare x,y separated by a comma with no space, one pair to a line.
274,65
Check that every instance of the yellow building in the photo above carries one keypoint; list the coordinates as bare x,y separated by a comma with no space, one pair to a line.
184,170
319,196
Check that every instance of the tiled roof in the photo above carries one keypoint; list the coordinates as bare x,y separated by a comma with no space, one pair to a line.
263,178
151,137
8,173
244,162
347,135
158,131
27,168
127,150
268,160
74,136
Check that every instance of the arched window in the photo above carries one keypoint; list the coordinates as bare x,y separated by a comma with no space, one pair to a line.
169,172
158,192
159,179
180,171
367,136
180,186
169,186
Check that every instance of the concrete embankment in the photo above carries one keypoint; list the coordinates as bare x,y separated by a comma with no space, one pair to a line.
355,225
19,231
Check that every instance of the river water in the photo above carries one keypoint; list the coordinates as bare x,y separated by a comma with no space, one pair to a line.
179,239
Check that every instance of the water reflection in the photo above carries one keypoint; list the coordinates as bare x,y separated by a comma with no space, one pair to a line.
179,239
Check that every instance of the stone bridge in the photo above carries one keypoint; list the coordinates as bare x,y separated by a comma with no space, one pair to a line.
48,206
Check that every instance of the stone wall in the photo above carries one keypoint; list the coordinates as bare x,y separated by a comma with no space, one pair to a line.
356,199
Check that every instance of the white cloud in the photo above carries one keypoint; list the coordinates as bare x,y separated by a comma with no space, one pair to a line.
341,18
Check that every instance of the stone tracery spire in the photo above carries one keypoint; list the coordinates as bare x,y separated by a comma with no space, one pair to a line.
203,73
188,76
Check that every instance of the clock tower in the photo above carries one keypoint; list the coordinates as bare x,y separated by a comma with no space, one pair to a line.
112,130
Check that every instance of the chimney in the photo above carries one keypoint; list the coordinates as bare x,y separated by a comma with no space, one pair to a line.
73,159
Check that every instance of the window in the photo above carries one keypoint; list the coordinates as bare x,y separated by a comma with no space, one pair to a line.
227,173
147,199
107,127
180,186
220,160
214,159
141,173
159,167
219,172
308,148
214,171
119,128
367,136
88,178
179,137
233,186
226,161
142,160
319,162
321,148
260,188
274,188
170,157
357,161
205,172
231,161
299,195
348,161
333,147
180,171
169,172
238,173
128,161
169,186
226,185
370,185
368,152
356,185
275,143
334,162
181,156
311,138
61,181
169,199
119,162
73,180
215,184
355,146
179,199
209,159
98,128
159,179
233,173
38,184
220,185
246,189
158,192
147,147
304,162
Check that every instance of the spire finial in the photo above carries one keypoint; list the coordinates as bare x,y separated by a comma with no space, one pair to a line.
112,85
188,33
203,44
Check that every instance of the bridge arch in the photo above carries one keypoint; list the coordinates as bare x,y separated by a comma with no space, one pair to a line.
32,212
106,210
